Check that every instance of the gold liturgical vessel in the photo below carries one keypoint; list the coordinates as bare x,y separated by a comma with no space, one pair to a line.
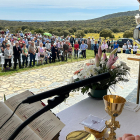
113,106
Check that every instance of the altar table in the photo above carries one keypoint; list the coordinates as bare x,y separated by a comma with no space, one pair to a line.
72,116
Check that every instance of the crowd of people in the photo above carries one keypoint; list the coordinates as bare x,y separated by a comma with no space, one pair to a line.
49,48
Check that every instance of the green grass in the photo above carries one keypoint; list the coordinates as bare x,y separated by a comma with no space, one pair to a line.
89,55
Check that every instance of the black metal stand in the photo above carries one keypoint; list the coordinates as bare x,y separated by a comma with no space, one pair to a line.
51,104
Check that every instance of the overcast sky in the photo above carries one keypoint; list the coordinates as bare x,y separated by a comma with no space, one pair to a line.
58,10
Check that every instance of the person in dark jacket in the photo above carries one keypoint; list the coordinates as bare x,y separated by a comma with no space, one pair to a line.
108,43
79,42
16,52
54,52
95,48
71,41
3,47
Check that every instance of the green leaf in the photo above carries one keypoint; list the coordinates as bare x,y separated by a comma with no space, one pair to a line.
4,97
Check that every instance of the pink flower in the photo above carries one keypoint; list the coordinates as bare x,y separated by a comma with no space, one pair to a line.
111,61
104,56
99,53
97,61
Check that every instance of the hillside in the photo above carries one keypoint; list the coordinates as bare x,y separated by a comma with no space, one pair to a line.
120,14
121,21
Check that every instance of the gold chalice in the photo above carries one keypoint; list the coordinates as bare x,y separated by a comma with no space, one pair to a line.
113,106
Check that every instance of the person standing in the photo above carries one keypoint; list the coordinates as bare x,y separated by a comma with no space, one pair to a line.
65,49
135,49
48,46
41,53
79,42
104,47
3,46
108,43
89,43
95,48
16,52
32,51
24,55
116,46
71,41
54,52
124,47
92,42
76,48
112,43
130,47
83,47
99,41
8,55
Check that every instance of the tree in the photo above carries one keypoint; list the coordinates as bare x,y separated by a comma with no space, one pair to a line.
106,33
79,33
74,29
39,31
128,33
24,27
26,30
71,31
115,30
66,33
86,31
1,27
91,30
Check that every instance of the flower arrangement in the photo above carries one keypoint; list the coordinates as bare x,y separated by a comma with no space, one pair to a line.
101,65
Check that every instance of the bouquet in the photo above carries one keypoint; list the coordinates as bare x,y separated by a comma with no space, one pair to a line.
118,71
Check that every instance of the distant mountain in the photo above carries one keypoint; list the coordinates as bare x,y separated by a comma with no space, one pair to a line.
29,20
118,21
120,14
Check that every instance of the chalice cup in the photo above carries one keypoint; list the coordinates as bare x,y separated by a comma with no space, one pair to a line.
113,106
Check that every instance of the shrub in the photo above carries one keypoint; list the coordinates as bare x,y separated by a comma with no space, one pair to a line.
79,33
128,33
106,33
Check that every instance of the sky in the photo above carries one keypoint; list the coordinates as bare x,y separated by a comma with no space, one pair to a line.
60,10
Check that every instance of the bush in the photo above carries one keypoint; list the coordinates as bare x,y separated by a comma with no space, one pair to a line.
39,31
24,27
71,31
91,30
86,31
106,33
79,33
128,34
66,33
115,30
74,29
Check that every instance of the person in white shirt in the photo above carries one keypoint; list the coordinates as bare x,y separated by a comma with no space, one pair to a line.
7,31
130,47
135,49
25,39
124,47
48,46
92,42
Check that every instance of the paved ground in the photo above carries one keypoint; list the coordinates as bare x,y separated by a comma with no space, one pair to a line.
48,78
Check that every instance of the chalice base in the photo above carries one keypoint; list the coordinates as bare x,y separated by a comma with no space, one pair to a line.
113,125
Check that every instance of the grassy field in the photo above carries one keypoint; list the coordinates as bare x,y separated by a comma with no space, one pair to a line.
89,54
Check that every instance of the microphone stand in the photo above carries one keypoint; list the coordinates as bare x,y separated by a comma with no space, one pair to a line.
51,104
61,92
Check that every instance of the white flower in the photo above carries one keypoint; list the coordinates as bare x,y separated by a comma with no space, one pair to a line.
126,67
122,63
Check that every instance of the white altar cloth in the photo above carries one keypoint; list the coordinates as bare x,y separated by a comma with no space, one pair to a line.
72,116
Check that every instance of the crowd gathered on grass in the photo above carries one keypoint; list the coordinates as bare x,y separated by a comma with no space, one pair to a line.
49,48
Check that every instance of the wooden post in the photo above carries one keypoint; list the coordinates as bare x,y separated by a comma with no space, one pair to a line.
138,88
